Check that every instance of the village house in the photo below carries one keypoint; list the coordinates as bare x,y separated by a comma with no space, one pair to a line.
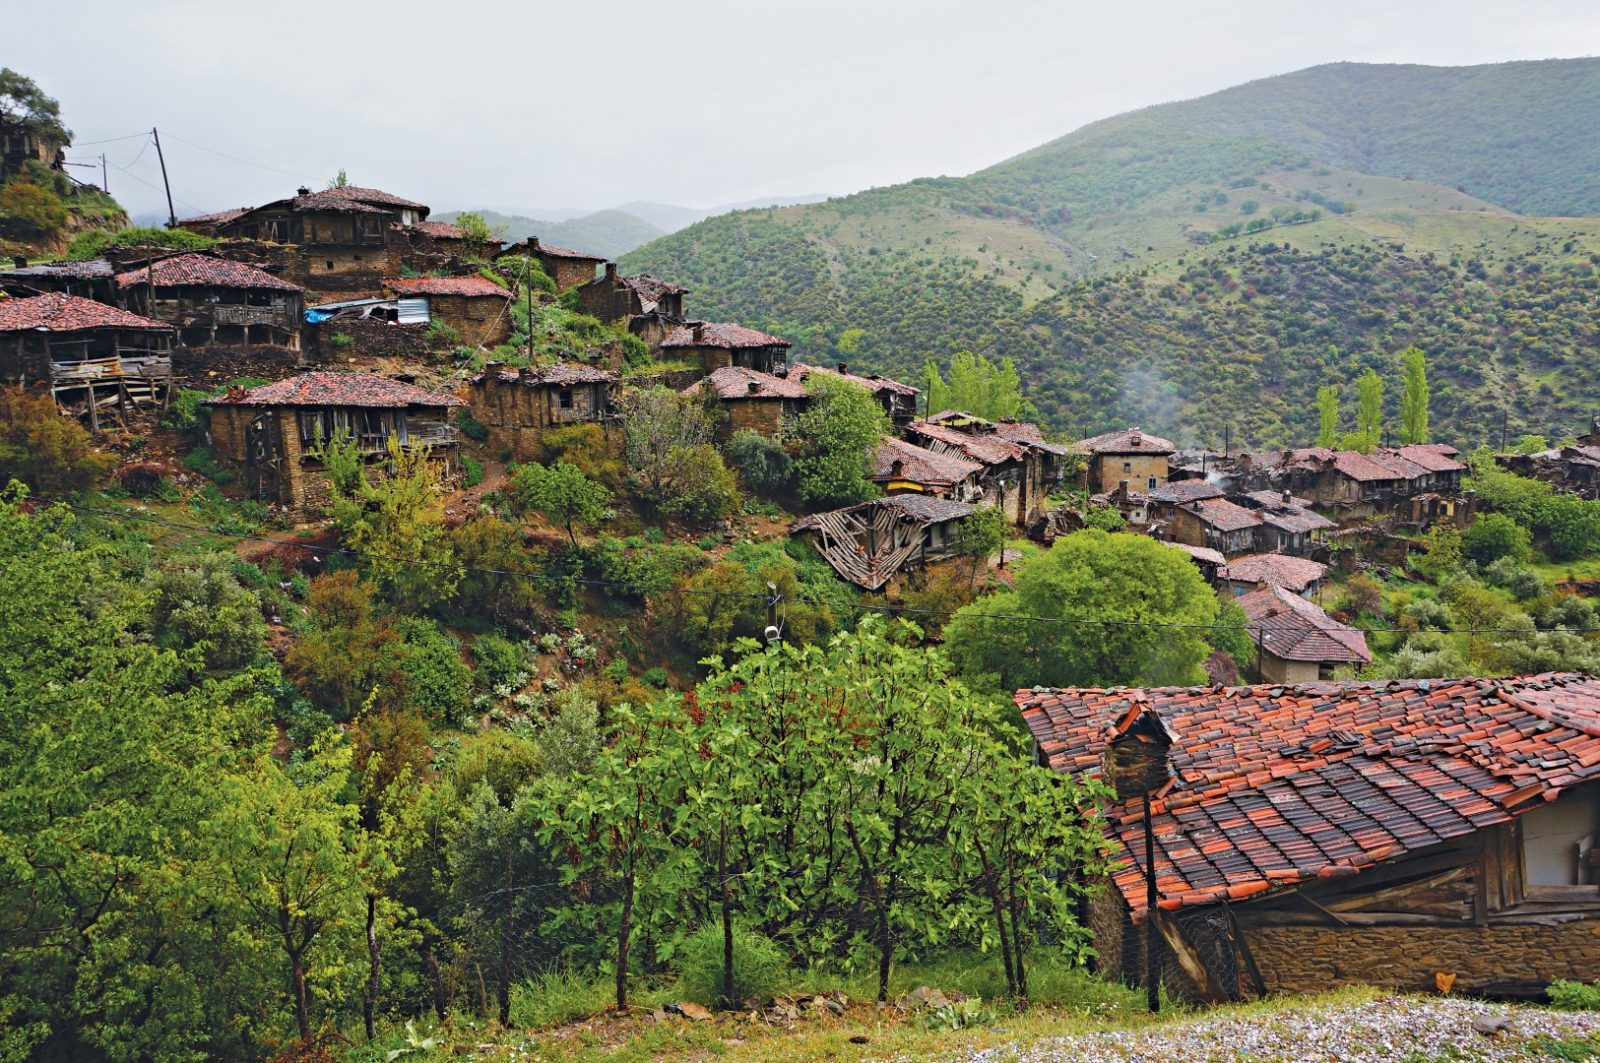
1353,485
1224,526
89,278
648,308
1019,468
1207,560
102,363
713,346
898,400
215,302
1415,834
750,401
1573,469
1296,642
1151,510
428,246
1297,574
1132,455
518,406
346,238
1288,524
272,432
568,268
869,543
475,306
901,468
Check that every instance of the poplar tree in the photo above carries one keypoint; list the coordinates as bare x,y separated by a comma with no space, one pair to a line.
1414,397
1327,416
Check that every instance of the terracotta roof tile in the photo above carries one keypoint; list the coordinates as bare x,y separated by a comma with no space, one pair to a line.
1279,785
203,271
535,246
552,376
1280,570
58,312
1222,515
736,382
920,465
337,389
355,199
472,286
987,449
1127,441
1297,630
724,335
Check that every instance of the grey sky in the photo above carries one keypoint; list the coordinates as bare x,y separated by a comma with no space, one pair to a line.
517,105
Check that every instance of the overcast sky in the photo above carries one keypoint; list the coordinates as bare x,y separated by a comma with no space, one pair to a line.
524,104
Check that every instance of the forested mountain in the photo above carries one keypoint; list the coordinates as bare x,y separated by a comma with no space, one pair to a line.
605,232
1415,174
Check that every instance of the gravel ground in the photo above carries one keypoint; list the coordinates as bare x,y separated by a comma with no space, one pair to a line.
1395,1029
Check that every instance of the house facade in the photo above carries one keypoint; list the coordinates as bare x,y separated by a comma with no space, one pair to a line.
750,401
1383,833
1132,454
568,268
212,301
1224,526
1296,642
901,468
1019,468
715,346
272,432
101,363
519,406
647,307
475,306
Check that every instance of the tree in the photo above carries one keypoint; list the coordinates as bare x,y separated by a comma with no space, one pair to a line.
562,494
477,233
980,536
1495,535
976,386
343,661
50,453
1328,416
661,428
25,107
201,605
393,525
838,433
1369,394
763,463
340,179
1414,397
1134,612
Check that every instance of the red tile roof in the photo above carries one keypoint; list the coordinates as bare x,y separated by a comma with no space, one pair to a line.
651,289
919,465
58,312
989,449
533,246
337,389
1352,464
214,218
353,198
1281,785
1222,515
1127,441
731,337
1293,629
1280,570
873,382
471,287
1199,553
1434,457
736,382
204,271
552,376
1176,492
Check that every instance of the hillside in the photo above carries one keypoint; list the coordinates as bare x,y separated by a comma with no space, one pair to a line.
959,262
611,233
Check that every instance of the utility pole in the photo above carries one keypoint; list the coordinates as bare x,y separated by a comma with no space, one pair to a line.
1152,958
172,215
772,633
105,182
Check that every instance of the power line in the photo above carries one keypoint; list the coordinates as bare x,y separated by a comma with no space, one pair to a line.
109,140
539,577
235,158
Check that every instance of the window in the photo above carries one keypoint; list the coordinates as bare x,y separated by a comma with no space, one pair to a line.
1127,466
1558,840
330,263
1151,484
566,398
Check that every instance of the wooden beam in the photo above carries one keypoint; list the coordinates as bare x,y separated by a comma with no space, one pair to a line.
1205,980
1242,947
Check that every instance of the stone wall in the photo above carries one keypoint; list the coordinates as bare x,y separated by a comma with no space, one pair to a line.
483,321
1307,958
1107,470
755,415
209,368
372,339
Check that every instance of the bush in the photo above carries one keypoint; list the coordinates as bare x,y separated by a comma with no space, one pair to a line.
1574,996
472,470
759,966
1493,536
707,491
471,427
94,244
762,462
202,461
31,212
45,450
500,661
586,446
438,682
200,603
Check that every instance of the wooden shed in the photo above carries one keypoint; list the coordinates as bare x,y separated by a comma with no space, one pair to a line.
212,301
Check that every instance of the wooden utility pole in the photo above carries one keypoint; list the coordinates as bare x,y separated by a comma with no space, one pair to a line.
1152,958
172,215
105,182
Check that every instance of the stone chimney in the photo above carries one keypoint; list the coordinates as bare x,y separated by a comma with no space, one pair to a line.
1122,491
491,377
844,367
611,272
1135,437
755,386
897,468
19,261
302,191
1136,761
1288,499
698,331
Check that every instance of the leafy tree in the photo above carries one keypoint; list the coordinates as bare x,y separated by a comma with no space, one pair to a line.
1134,613
200,604
1414,397
478,235
709,491
1495,535
394,526
497,570
763,463
50,453
837,434
976,386
562,494
340,179
1570,526
1369,394
24,106
344,660
437,680
661,430
1328,416
980,536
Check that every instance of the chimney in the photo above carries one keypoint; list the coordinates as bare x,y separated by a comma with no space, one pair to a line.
1134,437
844,367
611,272
1136,761
491,377
1288,499
1122,491
19,261
533,245
698,330
302,191
755,386
525,374
897,468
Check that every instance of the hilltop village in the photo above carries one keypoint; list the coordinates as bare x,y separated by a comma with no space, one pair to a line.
540,551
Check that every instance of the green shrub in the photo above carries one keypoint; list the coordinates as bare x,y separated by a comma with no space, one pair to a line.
759,965
762,462
1574,996
339,342
500,661
471,427
438,682
707,491
472,470
1493,536
93,244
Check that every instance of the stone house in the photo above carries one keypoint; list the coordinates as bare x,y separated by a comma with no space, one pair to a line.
1296,642
1352,485
1132,454
901,468
750,400
1019,468
427,246
88,279
1382,833
1288,524
346,239
475,306
568,268
271,431
1207,560
1297,574
647,307
869,543
101,363
1224,526
215,302
713,346
898,400
21,143
1151,510
519,405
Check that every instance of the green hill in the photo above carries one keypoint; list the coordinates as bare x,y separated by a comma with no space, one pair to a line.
1422,167
611,233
